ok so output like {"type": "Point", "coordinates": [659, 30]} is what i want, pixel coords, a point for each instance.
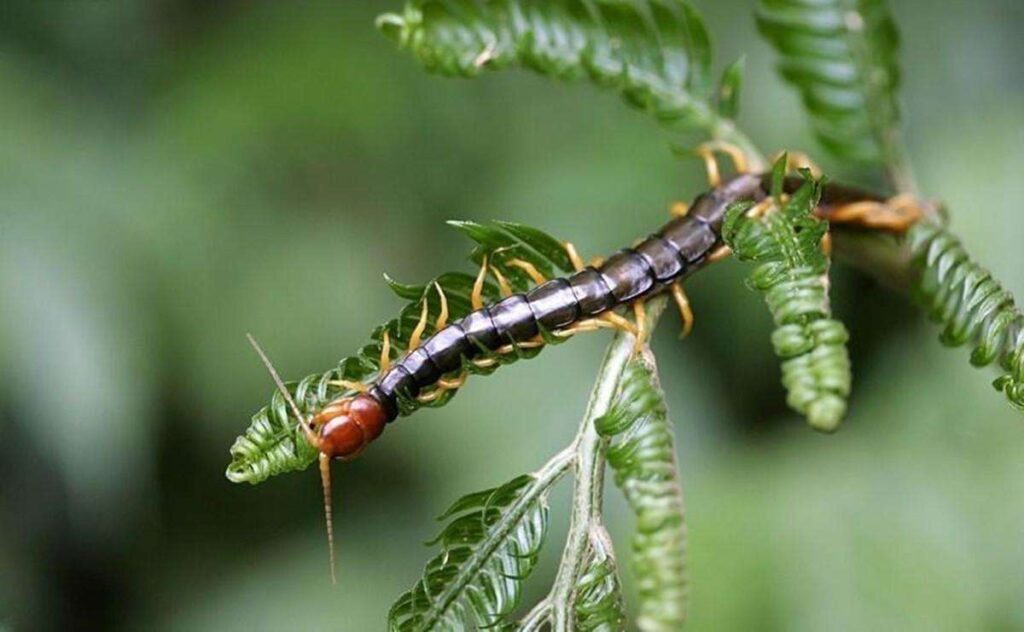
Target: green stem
{"type": "Point", "coordinates": [590, 462]}
{"type": "Point", "coordinates": [536, 618]}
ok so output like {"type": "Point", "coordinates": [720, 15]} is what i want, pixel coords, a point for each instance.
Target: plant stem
{"type": "Point", "coordinates": [536, 617]}
{"type": "Point", "coordinates": [588, 489]}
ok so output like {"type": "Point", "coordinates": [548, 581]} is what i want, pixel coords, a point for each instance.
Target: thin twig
{"type": "Point", "coordinates": [589, 470]}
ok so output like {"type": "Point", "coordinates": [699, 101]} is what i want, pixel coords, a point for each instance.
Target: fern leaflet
{"type": "Point", "coordinates": [972, 305]}
{"type": "Point", "coordinates": [642, 456]}
{"type": "Point", "coordinates": [488, 548]}
{"type": "Point", "coordinates": [598, 596]}
{"type": "Point", "coordinates": [792, 274]}
{"type": "Point", "coordinates": [842, 57]}
{"type": "Point", "coordinates": [655, 53]}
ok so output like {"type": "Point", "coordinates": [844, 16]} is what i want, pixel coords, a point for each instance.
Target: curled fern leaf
{"type": "Point", "coordinates": [973, 306]}
{"type": "Point", "coordinates": [842, 57]}
{"type": "Point", "coordinates": [792, 274]}
{"type": "Point", "coordinates": [655, 53]}
{"type": "Point", "coordinates": [273, 443]}
{"type": "Point", "coordinates": [643, 459]}
{"type": "Point", "coordinates": [488, 548]}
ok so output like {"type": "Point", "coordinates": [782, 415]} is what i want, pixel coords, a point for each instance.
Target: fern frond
{"type": "Point", "coordinates": [971, 304]}
{"type": "Point", "coordinates": [488, 549]}
{"type": "Point", "coordinates": [792, 274]}
{"type": "Point", "coordinates": [273, 443]}
{"type": "Point", "coordinates": [598, 596]}
{"type": "Point", "coordinates": [642, 455]}
{"type": "Point", "coordinates": [842, 57]}
{"type": "Point", "coordinates": [655, 53]}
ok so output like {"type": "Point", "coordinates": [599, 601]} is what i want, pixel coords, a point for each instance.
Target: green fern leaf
{"type": "Point", "coordinates": [655, 53]}
{"type": "Point", "coordinates": [792, 274]}
{"type": "Point", "coordinates": [598, 597]}
{"type": "Point", "coordinates": [842, 57]}
{"type": "Point", "coordinates": [642, 455]}
{"type": "Point", "coordinates": [273, 444]}
{"type": "Point", "coordinates": [971, 304]}
{"type": "Point", "coordinates": [488, 548]}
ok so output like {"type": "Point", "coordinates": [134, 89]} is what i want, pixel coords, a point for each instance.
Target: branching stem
{"type": "Point", "coordinates": [536, 617]}
{"type": "Point", "coordinates": [589, 470]}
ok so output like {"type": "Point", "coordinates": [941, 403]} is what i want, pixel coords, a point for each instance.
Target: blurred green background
{"type": "Point", "coordinates": [174, 174]}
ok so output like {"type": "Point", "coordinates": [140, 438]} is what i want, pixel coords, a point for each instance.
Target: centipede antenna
{"type": "Point", "coordinates": [325, 481]}
{"type": "Point", "coordinates": [277, 380]}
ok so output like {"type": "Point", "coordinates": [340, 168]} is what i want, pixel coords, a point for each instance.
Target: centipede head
{"type": "Point", "coordinates": [341, 430]}
{"type": "Point", "coordinates": [346, 426]}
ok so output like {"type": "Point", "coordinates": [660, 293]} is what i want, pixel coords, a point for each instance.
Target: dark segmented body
{"type": "Point", "coordinates": [680, 248]}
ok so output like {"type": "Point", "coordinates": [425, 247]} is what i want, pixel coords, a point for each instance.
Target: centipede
{"type": "Point", "coordinates": [592, 297]}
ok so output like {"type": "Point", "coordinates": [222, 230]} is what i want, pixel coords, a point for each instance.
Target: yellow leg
{"type": "Point", "coordinates": [710, 165]}
{"type": "Point", "coordinates": [421, 326]}
{"type": "Point", "coordinates": [476, 299]}
{"type": "Point", "coordinates": [527, 344]}
{"type": "Point", "coordinates": [385, 352]}
{"type": "Point", "coordinates": [679, 209]}
{"type": "Point", "coordinates": [444, 384]}
{"type": "Point", "coordinates": [442, 318]}
{"type": "Point", "coordinates": [640, 314]}
{"type": "Point", "coordinates": [685, 311]}
{"type": "Point", "coordinates": [529, 269]}
{"type": "Point", "coordinates": [896, 214]}
{"type": "Point", "coordinates": [426, 398]}
{"type": "Point", "coordinates": [349, 384]}
{"type": "Point", "coordinates": [761, 208]}
{"type": "Point", "coordinates": [826, 244]}
{"type": "Point", "coordinates": [574, 256]}
{"type": "Point", "coordinates": [589, 324]}
{"type": "Point", "coordinates": [719, 253]}
{"type": "Point", "coordinates": [452, 383]}
{"type": "Point", "coordinates": [577, 260]}
{"type": "Point", "coordinates": [503, 286]}
{"type": "Point", "coordinates": [706, 152]}
{"type": "Point", "coordinates": [619, 322]}
{"type": "Point", "coordinates": [484, 363]}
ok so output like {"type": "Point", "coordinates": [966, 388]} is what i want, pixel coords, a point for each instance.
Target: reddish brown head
{"type": "Point", "coordinates": [341, 430]}
{"type": "Point", "coordinates": [348, 425]}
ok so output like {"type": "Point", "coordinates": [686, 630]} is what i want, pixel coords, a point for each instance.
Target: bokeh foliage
{"type": "Point", "coordinates": [176, 174]}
